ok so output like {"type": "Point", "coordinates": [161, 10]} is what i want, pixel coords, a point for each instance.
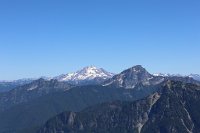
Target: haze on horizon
{"type": "Point", "coordinates": [49, 38]}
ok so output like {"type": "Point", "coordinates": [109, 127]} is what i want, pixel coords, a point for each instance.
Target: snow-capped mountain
{"type": "Point", "coordinates": [86, 75]}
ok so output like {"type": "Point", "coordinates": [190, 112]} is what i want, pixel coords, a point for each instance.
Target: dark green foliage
{"type": "Point", "coordinates": [175, 109]}
{"type": "Point", "coordinates": [23, 94]}
{"type": "Point", "coordinates": [6, 87]}
{"type": "Point", "coordinates": [36, 112]}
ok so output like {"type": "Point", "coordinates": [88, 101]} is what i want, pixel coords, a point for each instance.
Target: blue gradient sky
{"type": "Point", "coordinates": [50, 37]}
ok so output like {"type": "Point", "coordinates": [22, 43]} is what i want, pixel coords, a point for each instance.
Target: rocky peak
{"type": "Point", "coordinates": [132, 76]}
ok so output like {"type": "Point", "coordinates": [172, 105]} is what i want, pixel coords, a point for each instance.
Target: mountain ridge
{"type": "Point", "coordinates": [85, 76]}
{"type": "Point", "coordinates": [49, 97]}
{"type": "Point", "coordinates": [170, 110]}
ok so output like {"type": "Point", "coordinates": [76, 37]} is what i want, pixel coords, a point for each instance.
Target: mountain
{"type": "Point", "coordinates": [31, 91]}
{"type": "Point", "coordinates": [183, 79]}
{"type": "Point", "coordinates": [138, 75]}
{"type": "Point", "coordinates": [167, 75]}
{"type": "Point", "coordinates": [85, 76]}
{"type": "Point", "coordinates": [25, 108]}
{"type": "Point", "coordinates": [133, 76]}
{"type": "Point", "coordinates": [29, 116]}
{"type": "Point", "coordinates": [194, 76]}
{"type": "Point", "coordinates": [9, 85]}
{"type": "Point", "coordinates": [19, 81]}
{"type": "Point", "coordinates": [173, 109]}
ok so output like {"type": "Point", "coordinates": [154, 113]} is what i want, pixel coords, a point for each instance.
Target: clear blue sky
{"type": "Point", "coordinates": [51, 37]}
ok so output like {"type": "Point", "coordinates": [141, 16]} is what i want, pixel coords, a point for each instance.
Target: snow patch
{"type": "Point", "coordinates": [32, 88]}
{"type": "Point", "coordinates": [185, 126]}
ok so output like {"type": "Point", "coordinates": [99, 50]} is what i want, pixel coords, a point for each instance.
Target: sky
{"type": "Point", "coordinates": [52, 37]}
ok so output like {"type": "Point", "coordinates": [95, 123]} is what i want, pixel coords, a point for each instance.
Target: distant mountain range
{"type": "Point", "coordinates": [28, 106]}
{"type": "Point", "coordinates": [87, 75]}
{"type": "Point", "coordinates": [9, 85]}
{"type": "Point", "coordinates": [90, 75]}
{"type": "Point", "coordinates": [194, 76]}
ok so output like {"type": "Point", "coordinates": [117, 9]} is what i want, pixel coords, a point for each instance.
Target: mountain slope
{"type": "Point", "coordinates": [26, 117]}
{"type": "Point", "coordinates": [173, 109]}
{"type": "Point", "coordinates": [191, 76]}
{"type": "Point", "coordinates": [28, 92]}
{"type": "Point", "coordinates": [114, 117]}
{"type": "Point", "coordinates": [9, 85]}
{"type": "Point", "coordinates": [195, 76]}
